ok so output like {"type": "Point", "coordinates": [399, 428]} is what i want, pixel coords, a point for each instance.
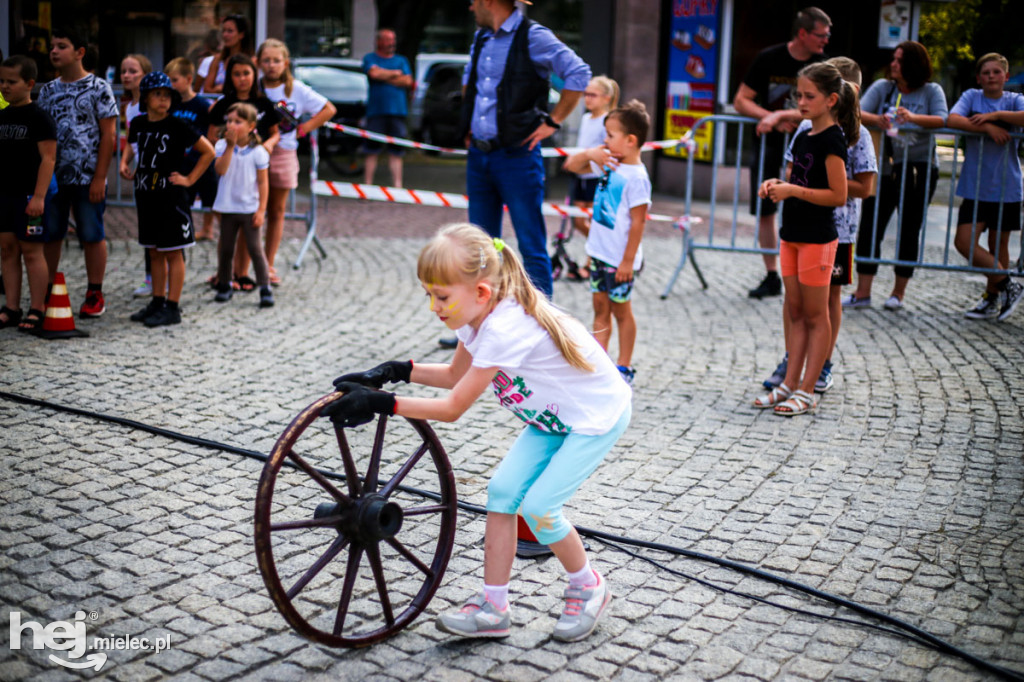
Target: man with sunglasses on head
{"type": "Point", "coordinates": [765, 94]}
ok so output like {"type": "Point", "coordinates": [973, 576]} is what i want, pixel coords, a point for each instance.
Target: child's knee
{"type": "Point", "coordinates": [544, 519]}
{"type": "Point", "coordinates": [622, 311]}
{"type": "Point", "coordinates": [503, 495]}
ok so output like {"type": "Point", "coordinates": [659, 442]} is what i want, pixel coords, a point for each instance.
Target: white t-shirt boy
{"type": "Point", "coordinates": [238, 190]}
{"type": "Point", "coordinates": [625, 188]}
{"type": "Point", "coordinates": [534, 380]}
{"type": "Point", "coordinates": [303, 100]}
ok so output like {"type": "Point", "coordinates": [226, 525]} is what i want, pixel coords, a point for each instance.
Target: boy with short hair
{"type": "Point", "coordinates": [85, 111]}
{"type": "Point", "coordinates": [195, 111]}
{"type": "Point", "coordinates": [165, 221]}
{"type": "Point", "coordinates": [995, 113]}
{"type": "Point", "coordinates": [28, 134]}
{"type": "Point", "coordinates": [617, 225]}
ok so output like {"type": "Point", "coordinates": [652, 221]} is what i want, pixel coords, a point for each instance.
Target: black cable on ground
{"type": "Point", "coordinates": [899, 627]}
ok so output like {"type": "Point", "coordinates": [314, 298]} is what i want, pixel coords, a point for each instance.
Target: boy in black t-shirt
{"type": "Point", "coordinates": [165, 221]}
{"type": "Point", "coordinates": [28, 153]}
{"type": "Point", "coordinates": [195, 111]}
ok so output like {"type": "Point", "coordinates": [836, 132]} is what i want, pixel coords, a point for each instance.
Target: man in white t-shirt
{"type": "Point", "coordinates": [617, 227]}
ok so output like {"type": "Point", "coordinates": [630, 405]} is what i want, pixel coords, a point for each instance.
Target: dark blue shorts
{"type": "Point", "coordinates": [14, 219]}
{"type": "Point", "coordinates": [385, 125]}
{"type": "Point", "coordinates": [988, 213]}
{"type": "Point", "coordinates": [65, 200]}
{"type": "Point", "coordinates": [583, 189]}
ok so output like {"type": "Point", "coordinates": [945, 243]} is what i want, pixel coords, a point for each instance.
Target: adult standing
{"type": "Point", "coordinates": [236, 38]}
{"type": "Point", "coordinates": [388, 104]}
{"type": "Point", "coordinates": [904, 98]}
{"type": "Point", "coordinates": [766, 94]}
{"type": "Point", "coordinates": [505, 117]}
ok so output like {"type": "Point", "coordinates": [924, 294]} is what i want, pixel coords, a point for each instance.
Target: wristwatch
{"type": "Point", "coordinates": [551, 123]}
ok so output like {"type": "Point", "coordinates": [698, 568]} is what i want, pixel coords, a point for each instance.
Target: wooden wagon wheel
{"type": "Point", "coordinates": [352, 562]}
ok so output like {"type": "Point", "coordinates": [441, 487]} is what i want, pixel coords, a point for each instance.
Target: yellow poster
{"type": "Point", "coordinates": [45, 16]}
{"type": "Point", "coordinates": [678, 121]}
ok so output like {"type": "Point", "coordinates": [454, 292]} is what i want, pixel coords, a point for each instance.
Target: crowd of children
{"type": "Point", "coordinates": [68, 139]}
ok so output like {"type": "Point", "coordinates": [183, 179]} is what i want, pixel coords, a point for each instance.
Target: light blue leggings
{"type": "Point", "coordinates": [543, 470]}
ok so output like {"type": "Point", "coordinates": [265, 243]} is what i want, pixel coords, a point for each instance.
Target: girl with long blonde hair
{"type": "Point", "coordinates": [550, 372]}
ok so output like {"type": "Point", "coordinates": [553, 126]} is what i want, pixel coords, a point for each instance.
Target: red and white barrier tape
{"type": "Point", "coordinates": [421, 197]}
{"type": "Point", "coordinates": [545, 151]}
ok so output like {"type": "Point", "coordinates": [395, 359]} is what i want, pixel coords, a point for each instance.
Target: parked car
{"type": "Point", "coordinates": [342, 81]}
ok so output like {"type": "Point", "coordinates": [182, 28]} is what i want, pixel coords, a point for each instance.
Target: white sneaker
{"type": "Point", "coordinates": [583, 607]}
{"type": "Point", "coordinates": [478, 617]}
{"type": "Point", "coordinates": [894, 303]}
{"type": "Point", "coordinates": [146, 289]}
{"type": "Point", "coordinates": [852, 301]}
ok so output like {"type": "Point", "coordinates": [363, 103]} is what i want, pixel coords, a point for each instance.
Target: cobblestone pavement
{"type": "Point", "coordinates": [903, 492]}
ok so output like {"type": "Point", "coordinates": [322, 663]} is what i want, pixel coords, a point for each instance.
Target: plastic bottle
{"type": "Point", "coordinates": [34, 224]}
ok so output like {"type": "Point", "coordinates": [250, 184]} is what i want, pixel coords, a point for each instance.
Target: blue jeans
{"type": "Point", "coordinates": [512, 177]}
{"type": "Point", "coordinates": [64, 200]}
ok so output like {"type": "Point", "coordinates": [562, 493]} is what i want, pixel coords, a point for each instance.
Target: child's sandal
{"type": "Point", "coordinates": [773, 397]}
{"type": "Point", "coordinates": [245, 283]}
{"type": "Point", "coordinates": [800, 402]}
{"type": "Point", "coordinates": [32, 323]}
{"type": "Point", "coordinates": [11, 317]}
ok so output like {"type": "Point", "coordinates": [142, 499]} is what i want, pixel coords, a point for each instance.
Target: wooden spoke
{"type": "Point", "coordinates": [410, 557]}
{"type": "Point", "coordinates": [355, 555]}
{"type": "Point", "coordinates": [397, 479]}
{"type": "Point", "coordinates": [351, 474]}
{"type": "Point", "coordinates": [325, 558]}
{"type": "Point", "coordinates": [319, 478]}
{"type": "Point", "coordinates": [373, 468]}
{"type": "Point", "coordinates": [373, 555]}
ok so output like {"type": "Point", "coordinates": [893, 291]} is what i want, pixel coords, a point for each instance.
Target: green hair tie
{"type": "Point", "coordinates": [499, 244]}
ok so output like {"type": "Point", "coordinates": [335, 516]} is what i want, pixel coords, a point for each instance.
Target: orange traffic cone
{"type": "Point", "coordinates": [59, 322]}
{"type": "Point", "coordinates": [527, 545]}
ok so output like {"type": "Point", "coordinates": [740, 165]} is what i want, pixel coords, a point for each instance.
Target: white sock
{"type": "Point", "coordinates": [585, 577]}
{"type": "Point", "coordinates": [497, 595]}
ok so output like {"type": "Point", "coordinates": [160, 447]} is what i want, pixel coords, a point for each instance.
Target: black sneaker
{"type": "Point", "coordinates": [164, 316]}
{"type": "Point", "coordinates": [266, 298]}
{"type": "Point", "coordinates": [223, 294]}
{"type": "Point", "coordinates": [149, 310]}
{"type": "Point", "coordinates": [985, 309]}
{"type": "Point", "coordinates": [771, 285]}
{"type": "Point", "coordinates": [1011, 297]}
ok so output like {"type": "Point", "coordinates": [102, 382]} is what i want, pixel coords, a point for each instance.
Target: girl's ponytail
{"type": "Point", "coordinates": [463, 252]}
{"type": "Point", "coordinates": [847, 113]}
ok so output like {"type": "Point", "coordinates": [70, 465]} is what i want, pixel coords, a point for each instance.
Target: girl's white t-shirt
{"type": "Point", "coordinates": [535, 381]}
{"type": "Point", "coordinates": [592, 134]}
{"type": "Point", "coordinates": [131, 110]}
{"type": "Point", "coordinates": [238, 189]}
{"type": "Point", "coordinates": [204, 70]}
{"type": "Point", "coordinates": [303, 100]}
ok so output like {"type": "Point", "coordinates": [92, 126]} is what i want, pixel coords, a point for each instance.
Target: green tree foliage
{"type": "Point", "coordinates": [957, 33]}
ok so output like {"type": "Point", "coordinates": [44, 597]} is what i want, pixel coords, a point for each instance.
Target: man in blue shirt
{"type": "Point", "coordinates": [505, 117]}
{"type": "Point", "coordinates": [390, 79]}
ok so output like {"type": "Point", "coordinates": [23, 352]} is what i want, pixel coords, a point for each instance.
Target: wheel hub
{"type": "Point", "coordinates": [370, 518]}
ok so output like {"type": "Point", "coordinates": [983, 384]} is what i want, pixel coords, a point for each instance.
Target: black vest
{"type": "Point", "coordinates": [522, 94]}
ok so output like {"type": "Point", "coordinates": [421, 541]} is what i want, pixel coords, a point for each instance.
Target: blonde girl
{"type": "Point", "coordinates": [816, 186]}
{"type": "Point", "coordinates": [242, 164]}
{"type": "Point", "coordinates": [297, 99]}
{"type": "Point", "coordinates": [600, 97]}
{"type": "Point", "coordinates": [133, 68]}
{"type": "Point", "coordinates": [550, 372]}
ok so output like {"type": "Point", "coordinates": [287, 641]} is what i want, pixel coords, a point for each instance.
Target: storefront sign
{"type": "Point", "coordinates": [692, 72]}
{"type": "Point", "coordinates": [893, 23]}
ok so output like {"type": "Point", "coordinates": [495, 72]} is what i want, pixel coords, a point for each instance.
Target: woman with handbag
{"type": "Point", "coordinates": [900, 105]}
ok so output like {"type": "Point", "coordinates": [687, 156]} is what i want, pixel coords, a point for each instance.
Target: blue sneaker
{"type": "Point", "coordinates": [825, 379]}
{"type": "Point", "coordinates": [778, 375]}
{"type": "Point", "coordinates": [628, 373]}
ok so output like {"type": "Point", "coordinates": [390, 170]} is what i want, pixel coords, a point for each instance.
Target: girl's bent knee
{"type": "Point", "coordinates": [503, 497]}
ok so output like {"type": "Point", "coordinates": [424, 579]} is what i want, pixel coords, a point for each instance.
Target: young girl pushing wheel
{"type": "Point", "coordinates": [550, 372]}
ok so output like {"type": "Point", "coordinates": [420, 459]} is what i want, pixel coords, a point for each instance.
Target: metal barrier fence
{"type": "Point", "coordinates": [717, 242]}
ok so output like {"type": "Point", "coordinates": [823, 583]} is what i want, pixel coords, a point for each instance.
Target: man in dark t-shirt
{"type": "Point", "coordinates": [765, 94]}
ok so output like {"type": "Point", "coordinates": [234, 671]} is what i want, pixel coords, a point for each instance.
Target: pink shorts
{"type": "Point", "coordinates": [284, 168]}
{"type": "Point", "coordinates": [811, 263]}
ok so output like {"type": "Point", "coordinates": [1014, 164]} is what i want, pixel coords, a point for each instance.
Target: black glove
{"type": "Point", "coordinates": [379, 375]}
{"type": "Point", "coordinates": [359, 405]}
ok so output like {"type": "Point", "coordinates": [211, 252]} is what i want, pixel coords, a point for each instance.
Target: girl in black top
{"type": "Point", "coordinates": [816, 185]}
